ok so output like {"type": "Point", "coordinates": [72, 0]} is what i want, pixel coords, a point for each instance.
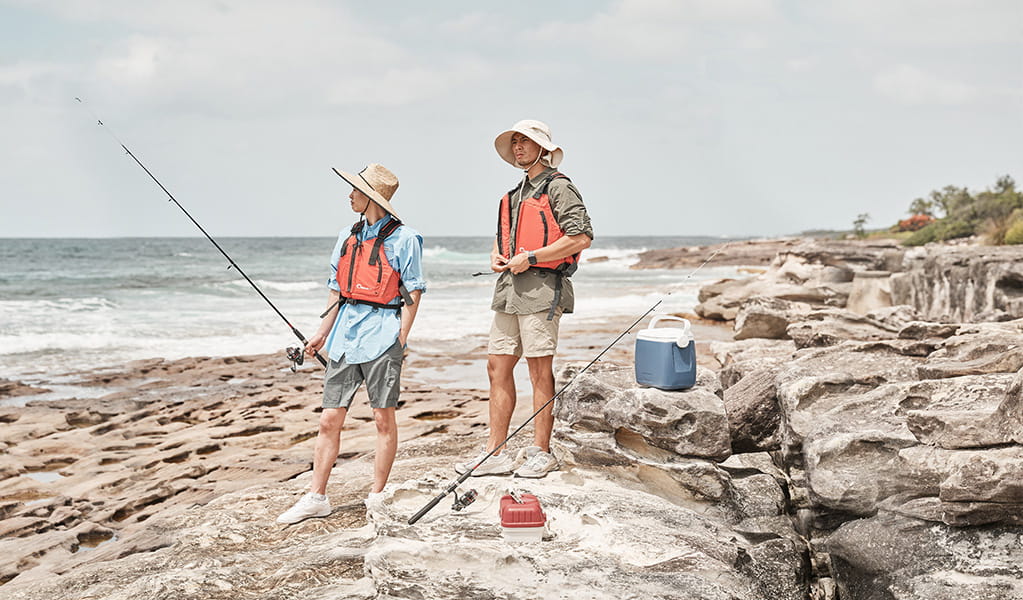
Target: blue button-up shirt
{"type": "Point", "coordinates": [362, 333]}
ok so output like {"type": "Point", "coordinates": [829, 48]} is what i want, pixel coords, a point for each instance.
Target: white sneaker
{"type": "Point", "coordinates": [499, 464]}
{"type": "Point", "coordinates": [538, 465]}
{"type": "Point", "coordinates": [375, 500]}
{"type": "Point", "coordinates": [306, 507]}
{"type": "Point", "coordinates": [527, 453]}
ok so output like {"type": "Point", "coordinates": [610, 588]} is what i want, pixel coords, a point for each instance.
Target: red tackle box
{"type": "Point", "coordinates": [522, 521]}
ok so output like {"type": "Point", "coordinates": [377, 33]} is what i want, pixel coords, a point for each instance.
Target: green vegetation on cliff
{"type": "Point", "coordinates": [995, 213]}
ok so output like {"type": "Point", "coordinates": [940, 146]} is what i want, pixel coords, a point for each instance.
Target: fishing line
{"type": "Point", "coordinates": [293, 355]}
{"type": "Point", "coordinates": [459, 503]}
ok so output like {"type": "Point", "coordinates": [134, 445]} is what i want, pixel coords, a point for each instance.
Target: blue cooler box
{"type": "Point", "coordinates": [666, 356]}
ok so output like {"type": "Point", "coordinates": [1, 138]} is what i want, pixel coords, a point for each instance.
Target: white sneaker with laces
{"type": "Point", "coordinates": [307, 506]}
{"type": "Point", "coordinates": [499, 464]}
{"type": "Point", "coordinates": [538, 465]}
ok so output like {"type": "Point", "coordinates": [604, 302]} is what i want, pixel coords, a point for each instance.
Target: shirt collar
{"type": "Point", "coordinates": [369, 231]}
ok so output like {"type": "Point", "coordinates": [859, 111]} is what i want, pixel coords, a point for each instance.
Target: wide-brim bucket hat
{"type": "Point", "coordinates": [539, 132]}
{"type": "Point", "coordinates": [377, 182]}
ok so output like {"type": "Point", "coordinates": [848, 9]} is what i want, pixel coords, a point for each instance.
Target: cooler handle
{"type": "Point", "coordinates": [687, 328]}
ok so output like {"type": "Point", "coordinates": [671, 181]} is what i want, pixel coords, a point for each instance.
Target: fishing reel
{"type": "Point", "coordinates": [296, 356]}
{"type": "Point", "coordinates": [464, 500]}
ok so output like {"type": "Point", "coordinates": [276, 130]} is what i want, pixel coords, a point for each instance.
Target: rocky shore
{"type": "Point", "coordinates": [846, 439]}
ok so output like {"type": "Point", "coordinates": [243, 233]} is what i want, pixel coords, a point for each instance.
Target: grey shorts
{"type": "Point", "coordinates": [382, 376]}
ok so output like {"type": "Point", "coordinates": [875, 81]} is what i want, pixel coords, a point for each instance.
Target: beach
{"type": "Point", "coordinates": [864, 410]}
{"type": "Point", "coordinates": [97, 447]}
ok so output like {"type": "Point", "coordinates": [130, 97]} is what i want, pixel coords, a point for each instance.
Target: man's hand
{"type": "Point", "coordinates": [519, 263]}
{"type": "Point", "coordinates": [498, 262]}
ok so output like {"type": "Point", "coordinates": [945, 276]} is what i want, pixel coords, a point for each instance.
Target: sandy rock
{"type": "Point", "coordinates": [813, 272]}
{"type": "Point", "coordinates": [978, 349]}
{"type": "Point", "coordinates": [603, 541]}
{"type": "Point", "coordinates": [964, 283]}
{"type": "Point", "coordinates": [982, 421]}
{"type": "Point", "coordinates": [687, 422]}
{"type": "Point", "coordinates": [741, 253]}
{"type": "Point", "coordinates": [767, 317]}
{"type": "Point", "coordinates": [871, 290]}
{"type": "Point", "coordinates": [738, 359]}
{"type": "Point", "coordinates": [753, 415]}
{"type": "Point", "coordinates": [921, 330]}
{"type": "Point", "coordinates": [890, 556]}
{"type": "Point", "coordinates": [829, 326]}
{"type": "Point", "coordinates": [10, 389]}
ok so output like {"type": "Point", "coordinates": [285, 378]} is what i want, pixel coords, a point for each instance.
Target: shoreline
{"type": "Point", "coordinates": [84, 477]}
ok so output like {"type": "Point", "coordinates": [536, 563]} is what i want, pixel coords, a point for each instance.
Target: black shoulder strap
{"type": "Point", "coordinates": [385, 231]}
{"type": "Point", "coordinates": [389, 228]}
{"type": "Point", "coordinates": [542, 189]}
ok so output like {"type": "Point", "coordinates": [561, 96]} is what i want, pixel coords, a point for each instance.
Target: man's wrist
{"type": "Point", "coordinates": [531, 257]}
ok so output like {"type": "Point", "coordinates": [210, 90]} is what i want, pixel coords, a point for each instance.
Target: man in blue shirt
{"type": "Point", "coordinates": [375, 287]}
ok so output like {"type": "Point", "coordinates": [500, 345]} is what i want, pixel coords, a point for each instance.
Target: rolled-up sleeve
{"type": "Point", "coordinates": [410, 258]}
{"type": "Point", "coordinates": [568, 207]}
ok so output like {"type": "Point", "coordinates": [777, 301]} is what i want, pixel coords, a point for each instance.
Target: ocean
{"type": "Point", "coordinates": [73, 305]}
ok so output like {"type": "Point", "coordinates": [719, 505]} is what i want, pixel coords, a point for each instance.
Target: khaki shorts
{"type": "Point", "coordinates": [530, 336]}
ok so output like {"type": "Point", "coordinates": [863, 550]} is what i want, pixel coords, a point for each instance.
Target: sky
{"type": "Point", "coordinates": [677, 117]}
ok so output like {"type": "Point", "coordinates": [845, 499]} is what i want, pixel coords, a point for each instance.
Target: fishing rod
{"type": "Point", "coordinates": [294, 354]}
{"type": "Point", "coordinates": [469, 496]}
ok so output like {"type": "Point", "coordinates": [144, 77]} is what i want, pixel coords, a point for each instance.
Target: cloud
{"type": "Point", "coordinates": [932, 22]}
{"type": "Point", "coordinates": [659, 29]}
{"type": "Point", "coordinates": [909, 85]}
{"type": "Point", "coordinates": [258, 57]}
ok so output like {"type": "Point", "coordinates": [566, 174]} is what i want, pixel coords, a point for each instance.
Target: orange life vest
{"type": "Point", "coordinates": [364, 273]}
{"type": "Point", "coordinates": [535, 227]}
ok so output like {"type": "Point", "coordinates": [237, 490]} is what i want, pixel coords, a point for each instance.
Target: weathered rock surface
{"type": "Point", "coordinates": [768, 317]}
{"type": "Point", "coordinates": [607, 400]}
{"type": "Point", "coordinates": [982, 421]}
{"type": "Point", "coordinates": [738, 253]}
{"type": "Point", "coordinates": [942, 283]}
{"type": "Point", "coordinates": [962, 283]}
{"type": "Point", "coordinates": [916, 432]}
{"type": "Point", "coordinates": [890, 556]}
{"type": "Point", "coordinates": [10, 389]}
{"type": "Point", "coordinates": [813, 272]}
{"type": "Point", "coordinates": [85, 482]}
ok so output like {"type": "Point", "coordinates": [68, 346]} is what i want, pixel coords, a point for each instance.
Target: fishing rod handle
{"type": "Point", "coordinates": [422, 511]}
{"type": "Point", "coordinates": [454, 485]}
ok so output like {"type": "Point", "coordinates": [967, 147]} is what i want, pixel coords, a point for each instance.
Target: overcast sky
{"type": "Point", "coordinates": [678, 117]}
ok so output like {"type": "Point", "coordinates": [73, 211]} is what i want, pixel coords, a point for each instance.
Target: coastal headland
{"type": "Point", "coordinates": [855, 432]}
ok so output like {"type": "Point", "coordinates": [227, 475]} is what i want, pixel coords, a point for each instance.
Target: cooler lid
{"type": "Point", "coordinates": [682, 336]}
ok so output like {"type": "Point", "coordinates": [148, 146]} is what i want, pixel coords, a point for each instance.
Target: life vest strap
{"type": "Point", "coordinates": [395, 306]}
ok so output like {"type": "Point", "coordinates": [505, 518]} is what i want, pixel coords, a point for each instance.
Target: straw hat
{"type": "Point", "coordinates": [537, 131]}
{"type": "Point", "coordinates": [376, 182]}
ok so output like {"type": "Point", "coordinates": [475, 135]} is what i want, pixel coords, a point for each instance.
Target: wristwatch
{"type": "Point", "coordinates": [531, 257]}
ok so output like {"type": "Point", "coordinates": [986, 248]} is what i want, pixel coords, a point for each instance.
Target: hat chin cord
{"type": "Point", "coordinates": [538, 157]}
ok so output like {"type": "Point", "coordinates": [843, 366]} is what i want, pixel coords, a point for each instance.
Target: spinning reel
{"type": "Point", "coordinates": [296, 356]}
{"type": "Point", "coordinates": [464, 500]}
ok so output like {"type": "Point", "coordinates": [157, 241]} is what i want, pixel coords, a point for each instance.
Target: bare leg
{"type": "Point", "coordinates": [500, 369]}
{"type": "Point", "coordinates": [387, 446]}
{"type": "Point", "coordinates": [328, 444]}
{"type": "Point", "coordinates": [541, 374]}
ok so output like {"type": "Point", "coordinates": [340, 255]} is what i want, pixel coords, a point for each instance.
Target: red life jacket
{"type": "Point", "coordinates": [364, 273]}
{"type": "Point", "coordinates": [535, 227]}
